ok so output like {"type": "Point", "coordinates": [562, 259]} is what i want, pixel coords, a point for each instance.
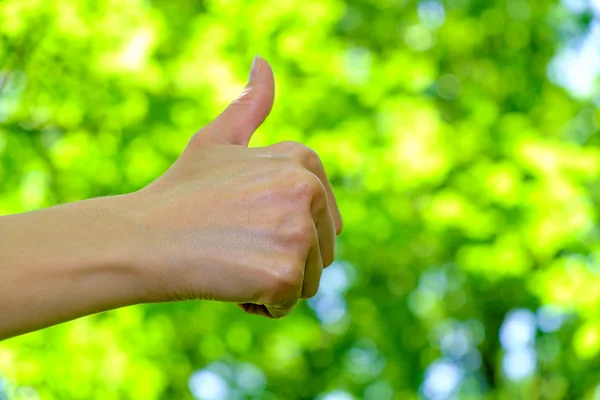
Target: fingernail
{"type": "Point", "coordinates": [255, 68]}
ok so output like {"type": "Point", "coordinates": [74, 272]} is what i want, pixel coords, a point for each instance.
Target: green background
{"type": "Point", "coordinates": [469, 267]}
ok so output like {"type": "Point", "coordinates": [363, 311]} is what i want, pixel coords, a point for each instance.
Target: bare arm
{"type": "Point", "coordinates": [254, 226]}
{"type": "Point", "coordinates": [65, 262]}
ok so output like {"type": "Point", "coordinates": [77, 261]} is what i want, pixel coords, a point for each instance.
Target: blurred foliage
{"type": "Point", "coordinates": [470, 263]}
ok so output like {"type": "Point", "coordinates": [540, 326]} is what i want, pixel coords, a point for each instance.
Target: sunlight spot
{"type": "Point", "coordinates": [549, 319]}
{"type": "Point", "coordinates": [518, 329]}
{"type": "Point", "coordinates": [251, 378]}
{"type": "Point", "coordinates": [208, 385]}
{"type": "Point", "coordinates": [519, 364]}
{"type": "Point", "coordinates": [418, 38]}
{"type": "Point", "coordinates": [577, 65]}
{"type": "Point", "coordinates": [337, 395]}
{"type": "Point", "coordinates": [575, 6]}
{"type": "Point", "coordinates": [442, 378]}
{"type": "Point", "coordinates": [431, 13]}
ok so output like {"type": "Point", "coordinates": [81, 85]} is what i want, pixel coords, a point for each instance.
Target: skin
{"type": "Point", "coordinates": [225, 222]}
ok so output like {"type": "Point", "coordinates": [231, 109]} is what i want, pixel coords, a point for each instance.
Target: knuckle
{"type": "Point", "coordinates": [302, 153]}
{"type": "Point", "coordinates": [288, 146]}
{"type": "Point", "coordinates": [301, 187]}
{"type": "Point", "coordinates": [305, 188]}
{"type": "Point", "coordinates": [306, 185]}
{"type": "Point", "coordinates": [284, 285]}
{"type": "Point", "coordinates": [310, 159]}
{"type": "Point", "coordinates": [301, 233]}
{"type": "Point", "coordinates": [306, 156]}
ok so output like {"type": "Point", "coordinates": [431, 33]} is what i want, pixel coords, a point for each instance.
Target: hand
{"type": "Point", "coordinates": [226, 222]}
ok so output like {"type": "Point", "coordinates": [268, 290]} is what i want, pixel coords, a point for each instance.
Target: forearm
{"type": "Point", "coordinates": [224, 222]}
{"type": "Point", "coordinates": [65, 262]}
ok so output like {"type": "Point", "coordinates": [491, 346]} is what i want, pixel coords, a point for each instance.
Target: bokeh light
{"type": "Point", "coordinates": [461, 138]}
{"type": "Point", "coordinates": [442, 379]}
{"type": "Point", "coordinates": [431, 13]}
{"type": "Point", "coordinates": [329, 303]}
{"type": "Point", "coordinates": [208, 385]}
{"type": "Point", "coordinates": [519, 363]}
{"type": "Point", "coordinates": [518, 329]}
{"type": "Point", "coordinates": [337, 395]}
{"type": "Point", "coordinates": [517, 335]}
{"type": "Point", "coordinates": [549, 319]}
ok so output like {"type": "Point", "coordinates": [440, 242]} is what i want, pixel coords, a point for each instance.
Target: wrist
{"type": "Point", "coordinates": [140, 247]}
{"type": "Point", "coordinates": [121, 250]}
{"type": "Point", "coordinates": [170, 252]}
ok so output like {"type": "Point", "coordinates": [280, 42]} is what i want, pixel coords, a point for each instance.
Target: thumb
{"type": "Point", "coordinates": [245, 114]}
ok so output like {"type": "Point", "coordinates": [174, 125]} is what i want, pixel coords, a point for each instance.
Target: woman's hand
{"type": "Point", "coordinates": [226, 222]}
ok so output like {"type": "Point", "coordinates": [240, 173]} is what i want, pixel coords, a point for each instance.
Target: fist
{"type": "Point", "coordinates": [254, 226]}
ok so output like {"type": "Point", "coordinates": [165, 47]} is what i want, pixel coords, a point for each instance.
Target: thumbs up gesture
{"type": "Point", "coordinates": [254, 226]}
